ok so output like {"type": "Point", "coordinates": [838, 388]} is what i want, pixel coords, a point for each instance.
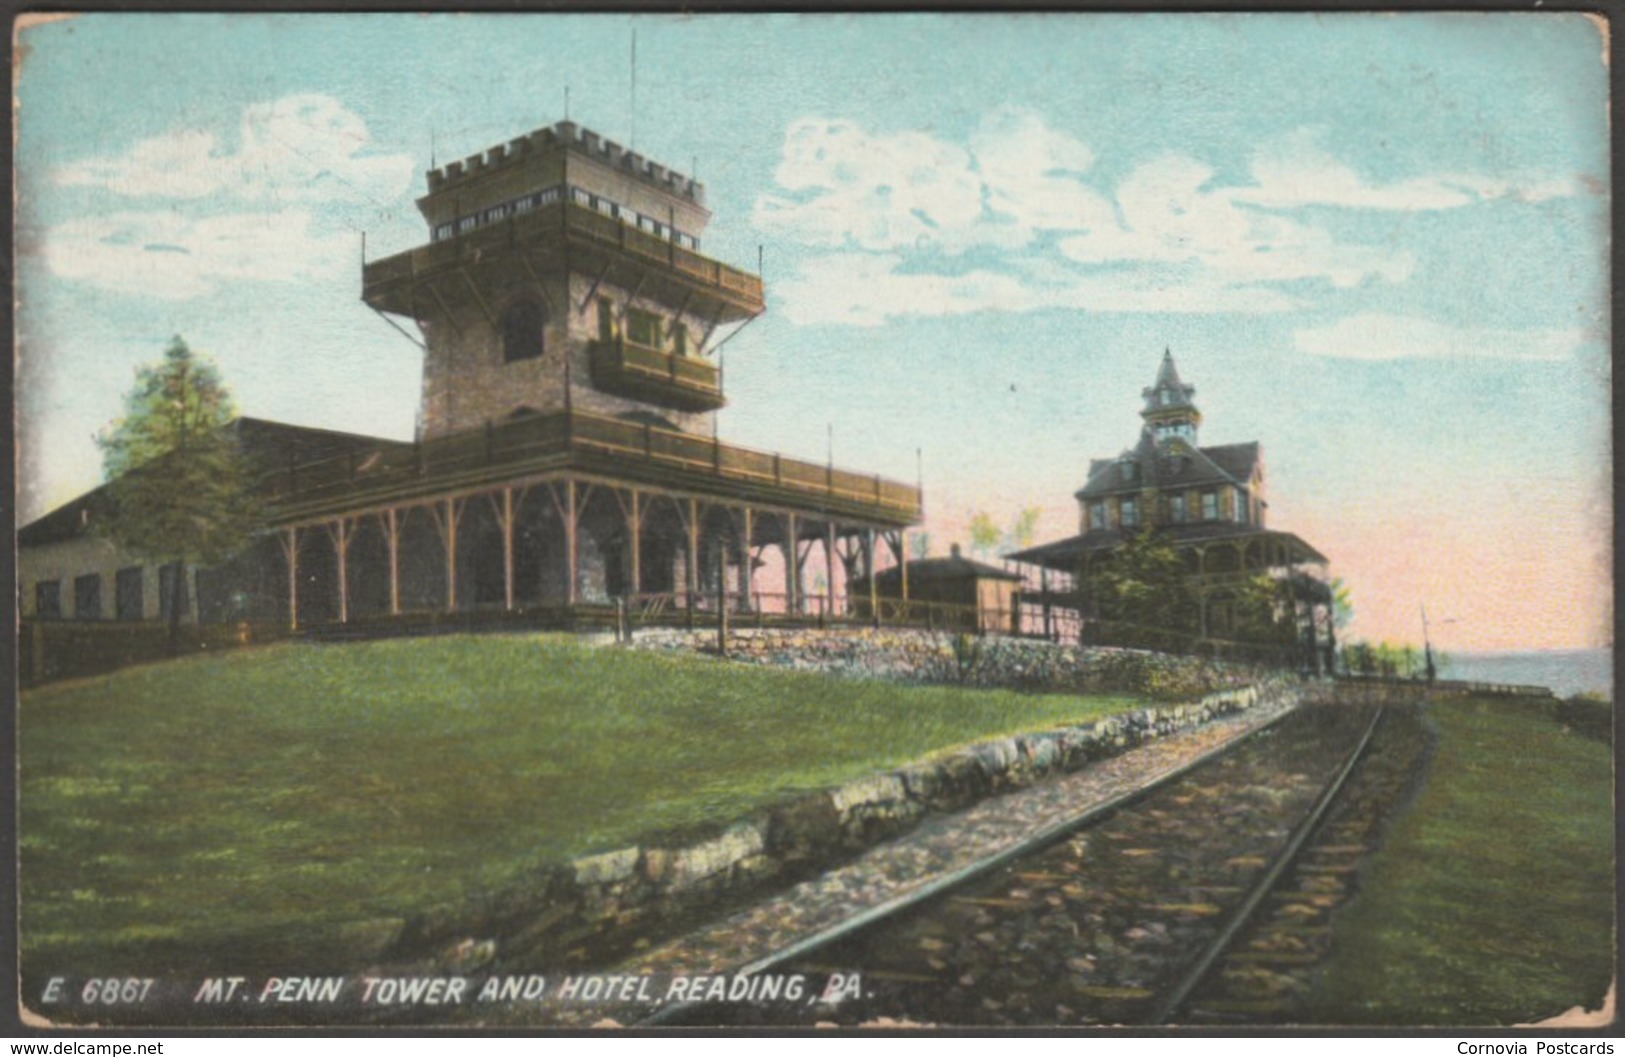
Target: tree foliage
{"type": "Point", "coordinates": [1025, 529]}
{"type": "Point", "coordinates": [1342, 603]}
{"type": "Point", "coordinates": [1264, 612]}
{"type": "Point", "coordinates": [1393, 660]}
{"type": "Point", "coordinates": [984, 534]}
{"type": "Point", "coordinates": [180, 490]}
{"type": "Point", "coordinates": [1145, 582]}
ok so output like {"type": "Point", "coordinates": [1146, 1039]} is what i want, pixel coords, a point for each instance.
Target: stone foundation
{"type": "Point", "coordinates": [569, 913]}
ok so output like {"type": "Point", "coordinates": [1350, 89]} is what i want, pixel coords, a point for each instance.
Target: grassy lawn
{"type": "Point", "coordinates": [1492, 900]}
{"type": "Point", "coordinates": [284, 791]}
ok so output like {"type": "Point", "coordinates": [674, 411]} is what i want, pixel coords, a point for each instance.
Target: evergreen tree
{"type": "Point", "coordinates": [180, 490]}
{"type": "Point", "coordinates": [1145, 582]}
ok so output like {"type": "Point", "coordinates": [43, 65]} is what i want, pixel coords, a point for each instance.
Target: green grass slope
{"type": "Point", "coordinates": [1492, 900]}
{"type": "Point", "coordinates": [288, 790]}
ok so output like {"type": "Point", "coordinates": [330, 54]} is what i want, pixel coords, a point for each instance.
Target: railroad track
{"type": "Point", "coordinates": [1122, 916]}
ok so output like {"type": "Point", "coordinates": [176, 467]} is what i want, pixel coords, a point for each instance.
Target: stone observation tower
{"type": "Point", "coordinates": [563, 270]}
{"type": "Point", "coordinates": [566, 469]}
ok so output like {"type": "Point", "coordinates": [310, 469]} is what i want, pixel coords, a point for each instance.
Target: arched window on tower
{"type": "Point", "coordinates": [522, 327]}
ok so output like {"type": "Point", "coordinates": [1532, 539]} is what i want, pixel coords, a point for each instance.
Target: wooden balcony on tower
{"type": "Point", "coordinates": [562, 234]}
{"type": "Point", "coordinates": [643, 373]}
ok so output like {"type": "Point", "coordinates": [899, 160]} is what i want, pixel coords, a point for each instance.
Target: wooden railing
{"type": "Point", "coordinates": [649, 373]}
{"type": "Point", "coordinates": [413, 468]}
{"type": "Point", "coordinates": [571, 219]}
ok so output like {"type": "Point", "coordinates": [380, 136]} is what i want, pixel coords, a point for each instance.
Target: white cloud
{"type": "Point", "coordinates": [1375, 336]}
{"type": "Point", "coordinates": [171, 255]}
{"type": "Point", "coordinates": [279, 204]}
{"type": "Point", "coordinates": [867, 289]}
{"type": "Point", "coordinates": [301, 148]}
{"type": "Point", "coordinates": [1171, 214]}
{"type": "Point", "coordinates": [898, 215]}
{"type": "Point", "coordinates": [1296, 171]}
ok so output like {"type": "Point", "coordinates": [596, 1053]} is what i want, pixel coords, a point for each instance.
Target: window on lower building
{"type": "Point", "coordinates": [1131, 513]}
{"type": "Point", "coordinates": [129, 594]}
{"type": "Point", "coordinates": [679, 339]}
{"type": "Point", "coordinates": [606, 319]}
{"type": "Point", "coordinates": [48, 600]}
{"type": "Point", "coordinates": [1176, 509]}
{"type": "Point", "coordinates": [1097, 515]}
{"type": "Point", "coordinates": [172, 592]}
{"type": "Point", "coordinates": [87, 597]}
{"type": "Point", "coordinates": [643, 328]}
{"type": "Point", "coordinates": [1241, 506]}
{"type": "Point", "coordinates": [1210, 506]}
{"type": "Point", "coordinates": [522, 331]}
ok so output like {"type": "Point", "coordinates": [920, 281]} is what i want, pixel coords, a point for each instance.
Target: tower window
{"type": "Point", "coordinates": [643, 328]}
{"type": "Point", "coordinates": [522, 327]}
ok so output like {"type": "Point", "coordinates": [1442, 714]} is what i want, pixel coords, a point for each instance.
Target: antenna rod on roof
{"type": "Point", "coordinates": [566, 102]}
{"type": "Point", "coordinates": [632, 139]}
{"type": "Point", "coordinates": [431, 148]}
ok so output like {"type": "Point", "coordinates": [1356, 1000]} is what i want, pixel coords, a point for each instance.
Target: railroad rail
{"type": "Point", "coordinates": [920, 940]}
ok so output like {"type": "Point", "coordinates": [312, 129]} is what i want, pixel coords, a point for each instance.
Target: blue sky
{"type": "Point", "coordinates": [1375, 243]}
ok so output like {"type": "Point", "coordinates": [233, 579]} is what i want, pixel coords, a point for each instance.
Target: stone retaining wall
{"type": "Point", "coordinates": [992, 661]}
{"type": "Point", "coordinates": [570, 913]}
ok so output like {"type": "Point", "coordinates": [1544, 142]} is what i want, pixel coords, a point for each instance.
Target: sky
{"type": "Point", "coordinates": [1376, 244]}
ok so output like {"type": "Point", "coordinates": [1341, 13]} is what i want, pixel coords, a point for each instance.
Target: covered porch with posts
{"type": "Point", "coordinates": [1221, 564]}
{"type": "Point", "coordinates": [566, 550]}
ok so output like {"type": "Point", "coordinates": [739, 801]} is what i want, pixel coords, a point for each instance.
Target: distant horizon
{"type": "Point", "coordinates": [1375, 244]}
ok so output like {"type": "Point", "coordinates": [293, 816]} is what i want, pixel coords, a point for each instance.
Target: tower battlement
{"type": "Point", "coordinates": [567, 136]}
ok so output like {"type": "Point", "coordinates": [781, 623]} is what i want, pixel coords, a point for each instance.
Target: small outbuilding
{"type": "Point", "coordinates": [953, 592]}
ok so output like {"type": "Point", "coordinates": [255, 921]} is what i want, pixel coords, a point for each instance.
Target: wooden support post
{"type": "Point", "coordinates": [570, 542]}
{"type": "Point", "coordinates": [635, 531]}
{"type": "Point", "coordinates": [747, 570]}
{"type": "Point", "coordinates": [507, 548]}
{"type": "Point", "coordinates": [451, 555]}
{"type": "Point", "coordinates": [394, 540]}
{"type": "Point", "coordinates": [792, 565]}
{"type": "Point", "coordinates": [722, 601]}
{"type": "Point", "coordinates": [1043, 592]}
{"type": "Point", "coordinates": [692, 568]}
{"type": "Point", "coordinates": [341, 543]}
{"type": "Point", "coordinates": [874, 580]}
{"type": "Point", "coordinates": [829, 568]}
{"type": "Point", "coordinates": [902, 564]}
{"type": "Point", "coordinates": [290, 547]}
